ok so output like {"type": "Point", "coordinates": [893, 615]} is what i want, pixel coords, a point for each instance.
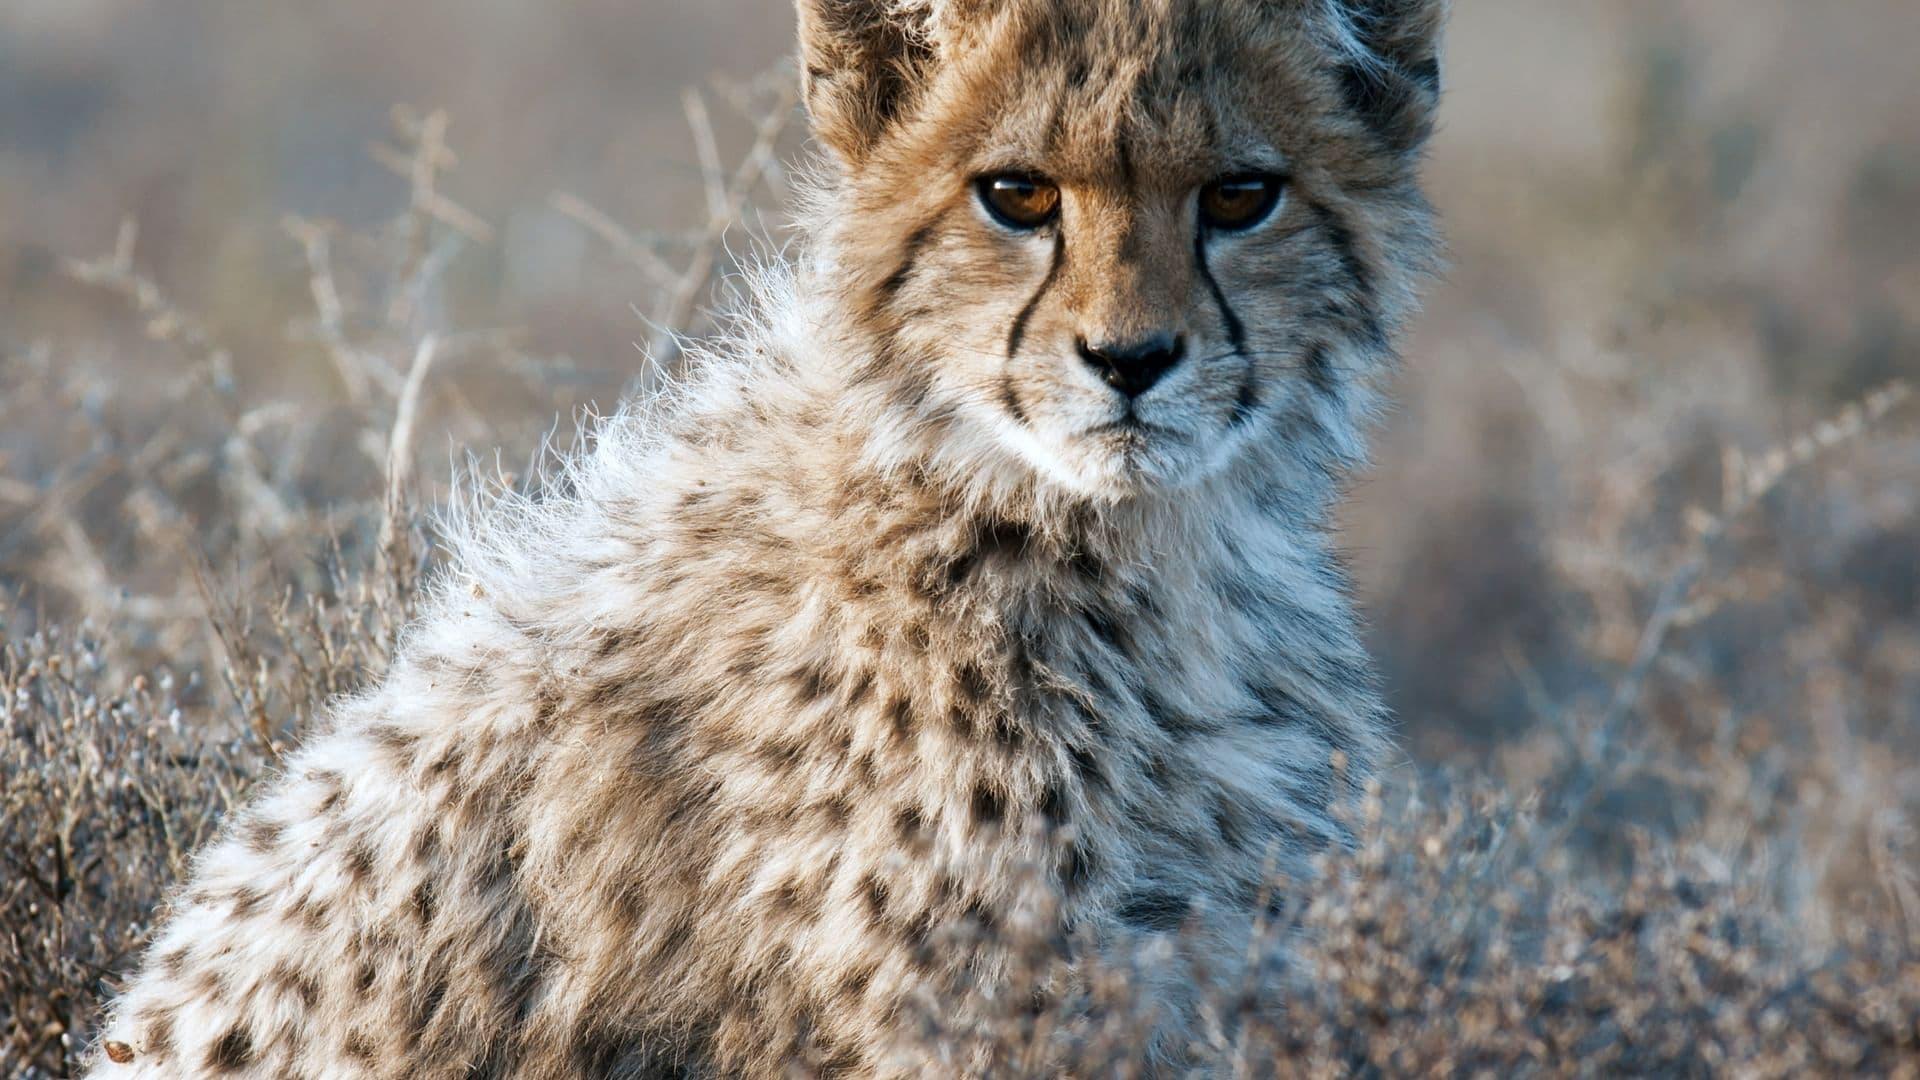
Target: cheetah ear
{"type": "Point", "coordinates": [1390, 73]}
{"type": "Point", "coordinates": [862, 62]}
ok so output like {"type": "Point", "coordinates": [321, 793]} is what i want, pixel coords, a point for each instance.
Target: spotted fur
{"type": "Point", "coordinates": [892, 618]}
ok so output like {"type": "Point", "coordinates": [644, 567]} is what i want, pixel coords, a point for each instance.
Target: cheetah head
{"type": "Point", "coordinates": [1119, 242]}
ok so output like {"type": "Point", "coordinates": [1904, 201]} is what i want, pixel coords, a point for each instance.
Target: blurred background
{"type": "Point", "coordinates": [1647, 514]}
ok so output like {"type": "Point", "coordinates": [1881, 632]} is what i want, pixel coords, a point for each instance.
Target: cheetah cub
{"type": "Point", "coordinates": [989, 560]}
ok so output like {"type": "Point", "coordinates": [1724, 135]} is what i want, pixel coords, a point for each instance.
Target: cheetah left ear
{"type": "Point", "coordinates": [1391, 75]}
{"type": "Point", "coordinates": [865, 61]}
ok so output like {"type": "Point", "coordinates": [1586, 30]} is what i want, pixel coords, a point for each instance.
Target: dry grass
{"type": "Point", "coordinates": [1640, 553]}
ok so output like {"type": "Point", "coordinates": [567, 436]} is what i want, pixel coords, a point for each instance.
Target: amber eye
{"type": "Point", "coordinates": [1019, 202]}
{"type": "Point", "coordinates": [1239, 202]}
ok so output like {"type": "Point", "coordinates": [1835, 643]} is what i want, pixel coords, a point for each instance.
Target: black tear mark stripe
{"type": "Point", "coordinates": [1019, 332]}
{"type": "Point", "coordinates": [1236, 331]}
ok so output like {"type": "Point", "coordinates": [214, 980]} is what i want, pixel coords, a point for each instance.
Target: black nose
{"type": "Point", "coordinates": [1133, 367]}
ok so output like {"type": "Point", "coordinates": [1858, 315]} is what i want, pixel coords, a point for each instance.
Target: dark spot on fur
{"type": "Point", "coordinates": [312, 913]}
{"type": "Point", "coordinates": [1010, 400]}
{"type": "Point", "coordinates": [674, 942]}
{"type": "Point", "coordinates": [359, 1047]}
{"type": "Point", "coordinates": [363, 978]}
{"type": "Point", "coordinates": [174, 961]}
{"type": "Point", "coordinates": [1426, 73]}
{"type": "Point", "coordinates": [427, 1007]}
{"type": "Point", "coordinates": [597, 1052]}
{"type": "Point", "coordinates": [607, 694]}
{"type": "Point", "coordinates": [1246, 404]}
{"type": "Point", "coordinates": [1345, 249]}
{"type": "Point", "coordinates": [859, 689]}
{"type": "Point", "coordinates": [973, 684]}
{"type": "Point", "coordinates": [298, 983]}
{"type": "Point", "coordinates": [1156, 770]}
{"type": "Point", "coordinates": [496, 871]}
{"type": "Point", "coordinates": [1227, 819]}
{"type": "Point", "coordinates": [622, 640]}
{"type": "Point", "coordinates": [1087, 565]}
{"type": "Point", "coordinates": [1000, 538]}
{"type": "Point", "coordinates": [1103, 627]}
{"type": "Point", "coordinates": [546, 705]}
{"type": "Point", "coordinates": [263, 835]}
{"type": "Point", "coordinates": [900, 718]}
{"type": "Point", "coordinates": [246, 901]}
{"type": "Point", "coordinates": [335, 787]}
{"type": "Point", "coordinates": [945, 888]}
{"type": "Point", "coordinates": [1077, 867]}
{"type": "Point", "coordinates": [915, 243]}
{"type": "Point", "coordinates": [1279, 707]}
{"type": "Point", "coordinates": [1154, 910]}
{"type": "Point", "coordinates": [360, 863]}
{"type": "Point", "coordinates": [790, 897]}
{"type": "Point", "coordinates": [854, 985]}
{"type": "Point", "coordinates": [1087, 767]}
{"type": "Point", "coordinates": [421, 903]}
{"type": "Point", "coordinates": [908, 824]}
{"type": "Point", "coordinates": [210, 985]}
{"type": "Point", "coordinates": [397, 742]}
{"type": "Point", "coordinates": [1053, 804]}
{"type": "Point", "coordinates": [873, 892]}
{"type": "Point", "coordinates": [1319, 368]}
{"type": "Point", "coordinates": [781, 755]}
{"type": "Point", "coordinates": [814, 683]}
{"type": "Point", "coordinates": [232, 1051]}
{"type": "Point", "coordinates": [156, 1034]}
{"type": "Point", "coordinates": [989, 806]}
{"type": "Point", "coordinates": [1165, 716]}
{"type": "Point", "coordinates": [1005, 727]}
{"type": "Point", "coordinates": [832, 1058]}
{"type": "Point", "coordinates": [917, 930]}
{"type": "Point", "coordinates": [982, 915]}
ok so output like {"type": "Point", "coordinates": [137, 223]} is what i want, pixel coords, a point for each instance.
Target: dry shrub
{"type": "Point", "coordinates": [1464, 938]}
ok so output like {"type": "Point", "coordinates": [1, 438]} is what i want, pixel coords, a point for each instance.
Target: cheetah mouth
{"type": "Point", "coordinates": [1137, 447]}
{"type": "Point", "coordinates": [1131, 429]}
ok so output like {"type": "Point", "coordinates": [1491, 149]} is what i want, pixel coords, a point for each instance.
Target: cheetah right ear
{"type": "Point", "coordinates": [862, 62]}
{"type": "Point", "coordinates": [1393, 78]}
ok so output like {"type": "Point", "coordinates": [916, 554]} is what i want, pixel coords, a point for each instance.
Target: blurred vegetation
{"type": "Point", "coordinates": [1640, 552]}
